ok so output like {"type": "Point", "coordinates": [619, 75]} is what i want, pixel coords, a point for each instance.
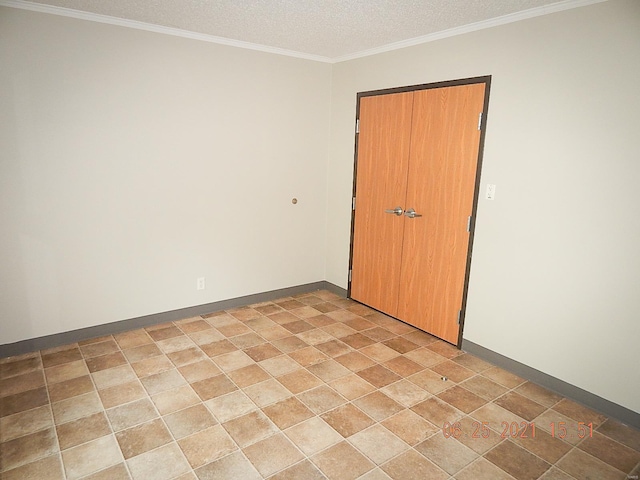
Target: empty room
{"type": "Point", "coordinates": [305, 240]}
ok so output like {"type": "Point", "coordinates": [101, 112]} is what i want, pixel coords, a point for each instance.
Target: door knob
{"type": "Point", "coordinates": [411, 213]}
{"type": "Point", "coordinates": [396, 211]}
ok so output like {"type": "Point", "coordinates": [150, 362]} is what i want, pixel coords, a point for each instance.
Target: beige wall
{"type": "Point", "coordinates": [555, 280]}
{"type": "Point", "coordinates": [133, 163]}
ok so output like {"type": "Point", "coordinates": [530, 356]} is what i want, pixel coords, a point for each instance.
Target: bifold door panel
{"type": "Point", "coordinates": [383, 162]}
{"type": "Point", "coordinates": [415, 181]}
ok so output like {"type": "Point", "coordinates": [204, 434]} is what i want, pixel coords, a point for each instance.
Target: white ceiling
{"type": "Point", "coordinates": [322, 29]}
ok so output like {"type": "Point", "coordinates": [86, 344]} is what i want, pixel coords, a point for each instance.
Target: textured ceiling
{"type": "Point", "coordinates": [325, 28]}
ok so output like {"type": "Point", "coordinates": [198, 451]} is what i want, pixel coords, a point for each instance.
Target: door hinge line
{"type": "Point", "coordinates": [350, 274]}
{"type": "Point", "coordinates": [353, 203]}
{"type": "Point", "coordinates": [357, 125]}
{"type": "Point", "coordinates": [469, 224]}
{"type": "Point", "coordinates": [480, 121]}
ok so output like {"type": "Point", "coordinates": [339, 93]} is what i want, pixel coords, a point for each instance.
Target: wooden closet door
{"type": "Point", "coordinates": [381, 184]}
{"type": "Point", "coordinates": [441, 183]}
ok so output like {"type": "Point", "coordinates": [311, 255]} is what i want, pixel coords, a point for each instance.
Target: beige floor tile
{"type": "Point", "coordinates": [379, 352]}
{"type": "Point", "coordinates": [273, 454]}
{"type": "Point", "coordinates": [378, 444]}
{"type": "Point", "coordinates": [25, 423]}
{"type": "Point", "coordinates": [133, 338]}
{"type": "Point", "coordinates": [99, 348]}
{"type": "Point", "coordinates": [342, 462]}
{"type": "Point", "coordinates": [410, 427]}
{"type": "Point", "coordinates": [482, 469]}
{"type": "Point", "coordinates": [405, 393]}
{"type": "Point", "coordinates": [332, 347]}
{"type": "Point", "coordinates": [313, 435]}
{"type": "Point", "coordinates": [351, 386]}
{"type": "Point", "coordinates": [347, 420]}
{"type": "Point", "coordinates": [163, 463]}
{"type": "Point", "coordinates": [233, 466]}
{"type": "Point", "coordinates": [378, 405]}
{"type": "Point", "coordinates": [70, 388]}
{"type": "Point", "coordinates": [142, 438]}
{"type": "Point", "coordinates": [449, 454]}
{"type": "Point", "coordinates": [321, 399]}
{"type": "Point", "coordinates": [473, 434]}
{"type": "Point", "coordinates": [403, 366]}
{"type": "Point", "coordinates": [48, 468]}
{"type": "Point", "coordinates": [21, 383]}
{"type": "Point", "coordinates": [21, 366]}
{"type": "Point", "coordinates": [104, 362]}
{"type": "Point", "coordinates": [250, 428]}
{"type": "Point", "coordinates": [538, 394]}
{"type": "Point", "coordinates": [160, 382]}
{"type": "Point", "coordinates": [233, 360]}
{"type": "Point", "coordinates": [472, 362]}
{"type": "Point", "coordinates": [483, 387]}
{"type": "Point", "coordinates": [120, 394]}
{"type": "Point", "coordinates": [437, 412]}
{"type": "Point", "coordinates": [425, 357]}
{"type": "Point", "coordinates": [518, 462]}
{"type": "Point", "coordinates": [267, 392]}
{"type": "Point", "coordinates": [308, 356]}
{"type": "Point", "coordinates": [315, 337]}
{"type": "Point", "coordinates": [303, 470]}
{"type": "Point", "coordinates": [91, 457]}
{"type": "Point", "coordinates": [262, 352]}
{"type": "Point", "coordinates": [83, 430]}
{"type": "Point", "coordinates": [115, 472]}
{"type": "Point", "coordinates": [520, 405]}
{"type": "Point", "coordinates": [287, 412]}
{"type": "Point", "coordinates": [142, 352]}
{"type": "Point", "coordinates": [354, 361]}
{"type": "Point", "coordinates": [230, 406]}
{"type": "Point", "coordinates": [413, 466]}
{"type": "Point", "coordinates": [175, 399]}
{"type": "Point", "coordinates": [66, 354]}
{"type": "Point", "coordinates": [66, 371]}
{"type": "Point", "coordinates": [299, 381]}
{"type": "Point", "coordinates": [462, 399]}
{"type": "Point", "coordinates": [189, 421]}
{"type": "Point", "coordinates": [207, 446]}
{"type": "Point", "coordinates": [213, 387]}
{"type": "Point", "coordinates": [28, 448]}
{"type": "Point", "coordinates": [378, 376]}
{"type": "Point", "coordinates": [200, 370]}
{"type": "Point", "coordinates": [453, 371]}
{"type": "Point", "coordinates": [134, 413]}
{"type": "Point", "coordinates": [249, 375]}
{"type": "Point", "coordinates": [280, 365]}
{"type": "Point", "coordinates": [504, 378]}
{"type": "Point", "coordinates": [430, 381]}
{"type": "Point", "coordinates": [329, 370]}
{"type": "Point", "coordinates": [76, 407]}
{"type": "Point", "coordinates": [113, 376]}
{"type": "Point", "coordinates": [21, 402]}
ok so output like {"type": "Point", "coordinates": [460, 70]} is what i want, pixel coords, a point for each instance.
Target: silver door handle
{"type": "Point", "coordinates": [396, 211]}
{"type": "Point", "coordinates": [411, 213]}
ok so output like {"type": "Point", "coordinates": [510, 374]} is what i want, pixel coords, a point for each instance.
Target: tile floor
{"type": "Point", "coordinates": [307, 387]}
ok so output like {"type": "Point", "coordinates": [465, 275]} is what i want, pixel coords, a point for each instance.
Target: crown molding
{"type": "Point", "coordinates": [149, 27]}
{"type": "Point", "coordinates": [472, 27]}
{"type": "Point", "coordinates": [176, 32]}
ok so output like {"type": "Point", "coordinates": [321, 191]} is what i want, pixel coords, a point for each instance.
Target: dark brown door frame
{"type": "Point", "coordinates": [451, 83]}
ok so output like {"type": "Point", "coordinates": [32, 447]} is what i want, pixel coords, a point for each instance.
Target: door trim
{"type": "Point", "coordinates": [476, 194]}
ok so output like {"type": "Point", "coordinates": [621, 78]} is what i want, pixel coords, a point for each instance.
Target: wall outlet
{"type": "Point", "coordinates": [200, 285]}
{"type": "Point", "coordinates": [491, 191]}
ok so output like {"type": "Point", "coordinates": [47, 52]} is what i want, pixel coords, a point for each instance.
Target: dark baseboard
{"type": "Point", "coordinates": [588, 399]}
{"type": "Point", "coordinates": [65, 338]}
